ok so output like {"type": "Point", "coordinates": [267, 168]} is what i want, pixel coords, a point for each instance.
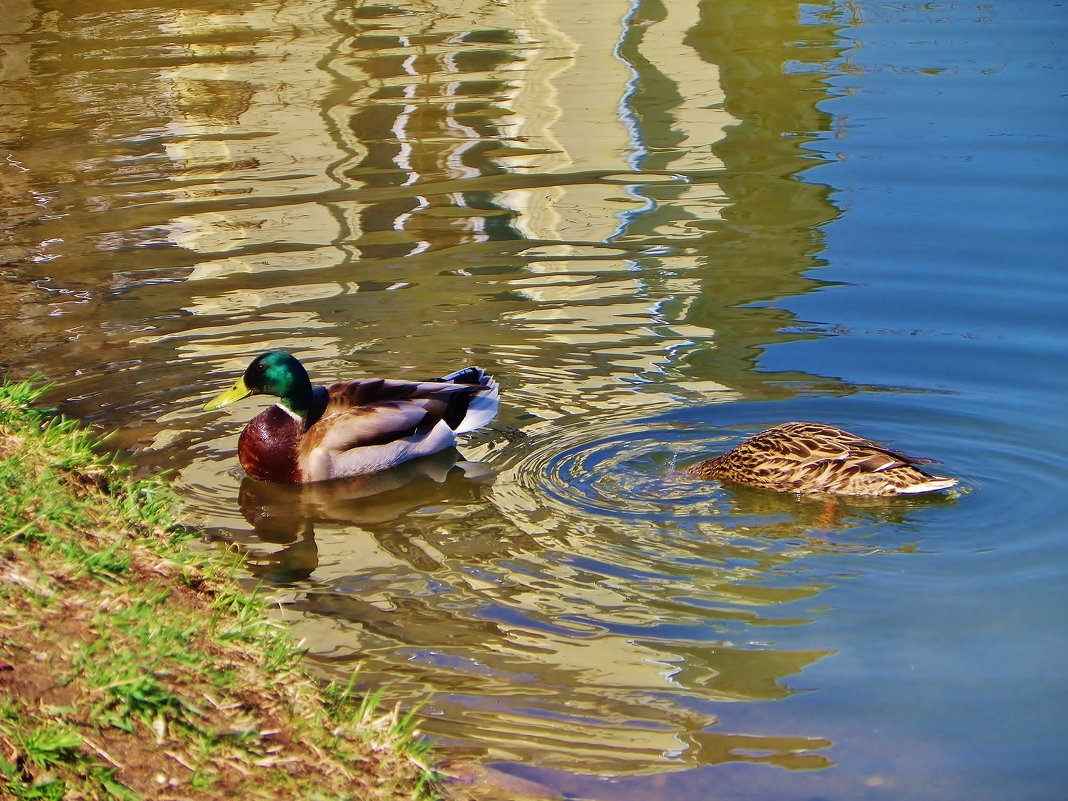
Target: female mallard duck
{"type": "Point", "coordinates": [353, 427]}
{"type": "Point", "coordinates": [818, 458]}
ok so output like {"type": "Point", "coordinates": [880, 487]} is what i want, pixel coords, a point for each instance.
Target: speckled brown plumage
{"type": "Point", "coordinates": [818, 458]}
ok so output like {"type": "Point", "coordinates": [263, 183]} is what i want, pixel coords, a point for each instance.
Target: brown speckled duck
{"type": "Point", "coordinates": [814, 458]}
{"type": "Point", "coordinates": [351, 428]}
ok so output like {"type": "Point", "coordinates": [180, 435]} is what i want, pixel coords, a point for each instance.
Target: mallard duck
{"type": "Point", "coordinates": [818, 458]}
{"type": "Point", "coordinates": [353, 427]}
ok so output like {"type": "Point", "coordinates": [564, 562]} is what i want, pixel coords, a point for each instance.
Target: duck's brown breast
{"type": "Point", "coordinates": [269, 447]}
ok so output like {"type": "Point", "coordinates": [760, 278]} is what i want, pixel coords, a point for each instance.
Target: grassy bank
{"type": "Point", "coordinates": [133, 665]}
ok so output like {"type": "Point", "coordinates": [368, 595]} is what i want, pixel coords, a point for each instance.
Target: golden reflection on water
{"type": "Point", "coordinates": [592, 205]}
{"type": "Point", "coordinates": [549, 635]}
{"type": "Point", "coordinates": [528, 650]}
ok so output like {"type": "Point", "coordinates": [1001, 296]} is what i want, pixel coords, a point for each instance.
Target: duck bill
{"type": "Point", "coordinates": [232, 395]}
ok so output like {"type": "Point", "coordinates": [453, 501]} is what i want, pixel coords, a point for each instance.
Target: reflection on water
{"type": "Point", "coordinates": [286, 514]}
{"type": "Point", "coordinates": [663, 226]}
{"type": "Point", "coordinates": [588, 609]}
{"type": "Point", "coordinates": [422, 152]}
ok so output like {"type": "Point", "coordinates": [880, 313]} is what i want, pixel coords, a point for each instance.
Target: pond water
{"type": "Point", "coordinates": [661, 226]}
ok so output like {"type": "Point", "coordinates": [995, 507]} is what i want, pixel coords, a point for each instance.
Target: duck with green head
{"type": "Point", "coordinates": [351, 428]}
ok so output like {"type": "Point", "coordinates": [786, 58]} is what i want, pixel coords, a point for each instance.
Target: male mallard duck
{"type": "Point", "coordinates": [353, 427]}
{"type": "Point", "coordinates": [815, 458]}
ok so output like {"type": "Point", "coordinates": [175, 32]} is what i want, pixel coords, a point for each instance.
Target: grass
{"type": "Point", "coordinates": [133, 665]}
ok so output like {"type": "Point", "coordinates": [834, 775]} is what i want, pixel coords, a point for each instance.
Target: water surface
{"type": "Point", "coordinates": [662, 226]}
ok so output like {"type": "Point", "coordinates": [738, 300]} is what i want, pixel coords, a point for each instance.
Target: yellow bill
{"type": "Point", "coordinates": [232, 395]}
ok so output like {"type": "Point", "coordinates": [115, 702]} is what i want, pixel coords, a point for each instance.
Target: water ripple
{"type": "Point", "coordinates": [616, 469]}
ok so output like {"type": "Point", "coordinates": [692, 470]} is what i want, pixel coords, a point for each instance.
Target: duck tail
{"type": "Point", "coordinates": [933, 484]}
{"type": "Point", "coordinates": [474, 410]}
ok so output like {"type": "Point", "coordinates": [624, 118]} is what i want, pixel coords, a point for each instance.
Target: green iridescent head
{"type": "Point", "coordinates": [274, 373]}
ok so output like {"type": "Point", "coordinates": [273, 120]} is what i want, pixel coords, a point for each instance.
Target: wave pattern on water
{"type": "Point", "coordinates": [662, 227]}
{"type": "Point", "coordinates": [589, 599]}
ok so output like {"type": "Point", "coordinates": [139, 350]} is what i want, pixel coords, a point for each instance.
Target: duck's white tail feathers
{"type": "Point", "coordinates": [934, 485]}
{"type": "Point", "coordinates": [482, 406]}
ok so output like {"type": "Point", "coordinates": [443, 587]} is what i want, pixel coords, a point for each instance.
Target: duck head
{"type": "Point", "coordinates": [275, 373]}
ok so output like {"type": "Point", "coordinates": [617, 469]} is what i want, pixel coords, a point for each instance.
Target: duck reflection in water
{"type": "Point", "coordinates": [286, 514]}
{"type": "Point", "coordinates": [822, 520]}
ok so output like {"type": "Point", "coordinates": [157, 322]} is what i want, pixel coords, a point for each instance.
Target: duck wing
{"type": "Point", "coordinates": [377, 411]}
{"type": "Point", "coordinates": [815, 443]}
{"type": "Point", "coordinates": [369, 391]}
{"type": "Point", "coordinates": [366, 426]}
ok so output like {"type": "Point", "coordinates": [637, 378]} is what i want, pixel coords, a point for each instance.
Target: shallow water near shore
{"type": "Point", "coordinates": [662, 227]}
